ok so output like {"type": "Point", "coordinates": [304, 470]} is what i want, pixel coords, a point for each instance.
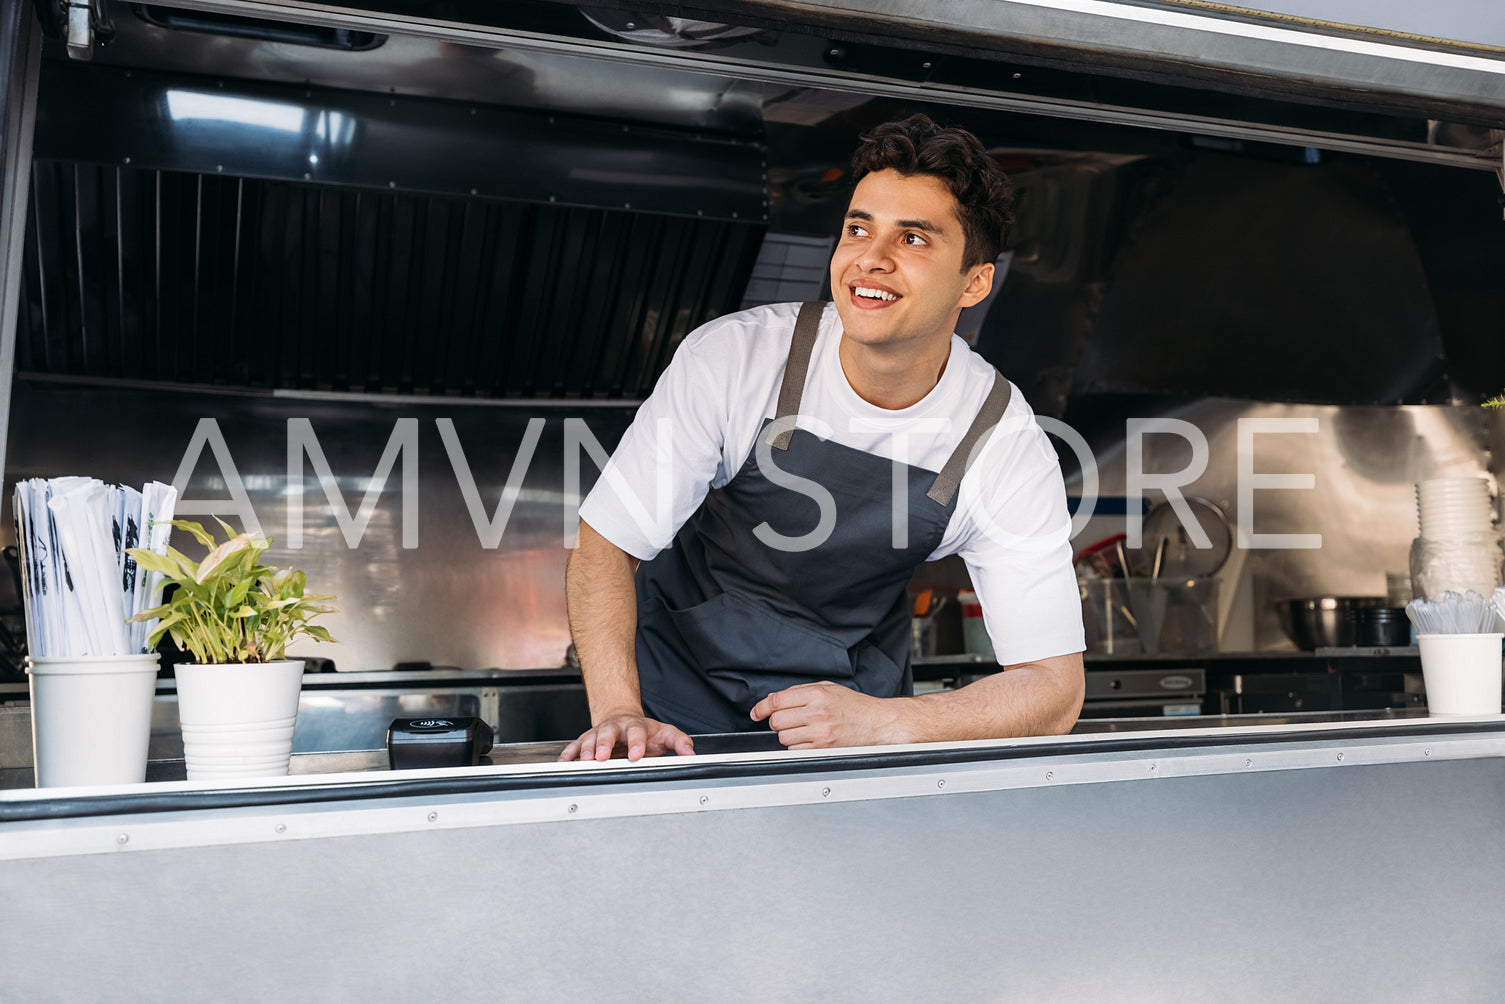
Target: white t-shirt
{"type": "Point", "coordinates": [698, 427]}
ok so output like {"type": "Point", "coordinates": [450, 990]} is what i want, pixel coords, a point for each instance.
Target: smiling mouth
{"type": "Point", "coordinates": [874, 294]}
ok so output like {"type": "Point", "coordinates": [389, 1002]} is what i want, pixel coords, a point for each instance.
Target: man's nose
{"type": "Point", "coordinates": [876, 257]}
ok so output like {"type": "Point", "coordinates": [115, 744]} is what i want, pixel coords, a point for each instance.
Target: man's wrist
{"type": "Point", "coordinates": [618, 711]}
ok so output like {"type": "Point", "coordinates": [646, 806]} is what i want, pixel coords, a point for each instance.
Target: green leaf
{"type": "Point", "coordinates": [199, 533]}
{"type": "Point", "coordinates": [223, 557]}
{"type": "Point", "coordinates": [152, 561]}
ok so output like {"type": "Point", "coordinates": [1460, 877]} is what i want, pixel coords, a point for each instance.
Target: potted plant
{"type": "Point", "coordinates": [238, 699]}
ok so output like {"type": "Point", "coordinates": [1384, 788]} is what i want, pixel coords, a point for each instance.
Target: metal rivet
{"type": "Point", "coordinates": [835, 52]}
{"type": "Point", "coordinates": [433, 816]}
{"type": "Point", "coordinates": [306, 176]}
{"type": "Point", "coordinates": [391, 184]}
{"type": "Point", "coordinates": [825, 792]}
{"type": "Point", "coordinates": [472, 191]}
{"type": "Point", "coordinates": [122, 838]}
{"type": "Point", "coordinates": [1426, 752]}
{"type": "Point", "coordinates": [626, 205]}
{"type": "Point", "coordinates": [941, 783]}
{"type": "Point", "coordinates": [925, 65]}
{"type": "Point", "coordinates": [128, 160]}
{"type": "Point", "coordinates": [280, 827]}
{"type": "Point", "coordinates": [1049, 775]}
{"type": "Point", "coordinates": [472, 111]}
{"type": "Point", "coordinates": [1018, 75]}
{"type": "Point", "coordinates": [734, 216]}
{"type": "Point", "coordinates": [1152, 766]}
{"type": "Point", "coordinates": [704, 799]}
{"type": "Point", "coordinates": [551, 120]}
{"type": "Point", "coordinates": [574, 807]}
{"type": "Point", "coordinates": [551, 198]}
{"type": "Point", "coordinates": [632, 26]}
{"type": "Point", "coordinates": [1248, 763]}
{"type": "Point", "coordinates": [392, 102]}
{"type": "Point", "coordinates": [1340, 756]}
{"type": "Point", "coordinates": [219, 167]}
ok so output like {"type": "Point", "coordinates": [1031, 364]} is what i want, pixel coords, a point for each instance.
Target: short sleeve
{"type": "Point", "coordinates": [1017, 546]}
{"type": "Point", "coordinates": [669, 456]}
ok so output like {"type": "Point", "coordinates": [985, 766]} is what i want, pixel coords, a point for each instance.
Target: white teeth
{"type": "Point", "coordinates": [873, 294]}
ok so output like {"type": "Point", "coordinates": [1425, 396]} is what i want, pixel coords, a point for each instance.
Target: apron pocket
{"type": "Point", "coordinates": [734, 638]}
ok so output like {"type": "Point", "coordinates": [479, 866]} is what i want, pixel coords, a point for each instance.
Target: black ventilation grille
{"type": "Point", "coordinates": [206, 279]}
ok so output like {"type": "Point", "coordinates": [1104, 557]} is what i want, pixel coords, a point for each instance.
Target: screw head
{"type": "Point", "coordinates": [1340, 756]}
{"type": "Point", "coordinates": [280, 827]}
{"type": "Point", "coordinates": [1049, 775]}
{"type": "Point", "coordinates": [1248, 763]}
{"type": "Point", "coordinates": [574, 807]}
{"type": "Point", "coordinates": [128, 160]}
{"type": "Point", "coordinates": [433, 816]}
{"type": "Point", "coordinates": [925, 66]}
{"type": "Point", "coordinates": [122, 838]}
{"type": "Point", "coordinates": [825, 792]}
{"type": "Point", "coordinates": [704, 799]}
{"type": "Point", "coordinates": [1152, 766]}
{"type": "Point", "coordinates": [941, 783]}
{"type": "Point", "coordinates": [1426, 752]}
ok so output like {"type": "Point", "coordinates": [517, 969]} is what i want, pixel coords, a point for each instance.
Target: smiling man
{"type": "Point", "coordinates": [802, 460]}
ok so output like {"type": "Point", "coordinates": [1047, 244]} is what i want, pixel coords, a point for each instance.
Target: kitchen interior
{"type": "Point", "coordinates": [388, 281]}
{"type": "Point", "coordinates": [239, 228]}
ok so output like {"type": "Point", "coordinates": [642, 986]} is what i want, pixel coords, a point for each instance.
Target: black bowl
{"type": "Point", "coordinates": [1324, 621]}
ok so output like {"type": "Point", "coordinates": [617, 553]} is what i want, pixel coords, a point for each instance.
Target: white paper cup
{"type": "Point", "coordinates": [91, 718]}
{"type": "Point", "coordinates": [1462, 673]}
{"type": "Point", "coordinates": [1451, 507]}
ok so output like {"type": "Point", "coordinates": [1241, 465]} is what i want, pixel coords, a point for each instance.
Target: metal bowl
{"type": "Point", "coordinates": [1323, 621]}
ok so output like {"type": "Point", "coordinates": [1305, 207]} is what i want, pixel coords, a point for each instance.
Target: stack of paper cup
{"type": "Point", "coordinates": [1458, 548]}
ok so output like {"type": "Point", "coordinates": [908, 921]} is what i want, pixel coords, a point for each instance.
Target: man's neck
{"type": "Point", "coordinates": [893, 377]}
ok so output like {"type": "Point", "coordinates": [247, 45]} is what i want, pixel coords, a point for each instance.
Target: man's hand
{"type": "Point", "coordinates": [631, 733]}
{"type": "Point", "coordinates": [822, 715]}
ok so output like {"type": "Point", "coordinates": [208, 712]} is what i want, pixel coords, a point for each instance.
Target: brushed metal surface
{"type": "Point", "coordinates": [1365, 462]}
{"type": "Point", "coordinates": [449, 600]}
{"type": "Point", "coordinates": [1172, 47]}
{"type": "Point", "coordinates": [20, 65]}
{"type": "Point", "coordinates": [507, 884]}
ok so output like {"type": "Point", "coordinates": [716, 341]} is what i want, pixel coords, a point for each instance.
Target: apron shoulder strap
{"type": "Point", "coordinates": [806, 328]}
{"type": "Point", "coordinates": [943, 489]}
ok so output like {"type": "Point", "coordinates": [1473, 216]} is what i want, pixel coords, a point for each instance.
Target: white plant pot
{"type": "Point", "coordinates": [238, 718]}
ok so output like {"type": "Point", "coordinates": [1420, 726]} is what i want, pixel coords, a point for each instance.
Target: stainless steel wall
{"type": "Point", "coordinates": [441, 595]}
{"type": "Point", "coordinates": [1364, 463]}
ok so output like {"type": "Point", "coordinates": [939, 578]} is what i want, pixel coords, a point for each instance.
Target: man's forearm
{"type": "Point", "coordinates": [602, 603]}
{"type": "Point", "coordinates": [1033, 699]}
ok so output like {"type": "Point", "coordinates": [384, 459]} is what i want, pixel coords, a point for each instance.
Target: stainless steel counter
{"type": "Point", "coordinates": [1128, 861]}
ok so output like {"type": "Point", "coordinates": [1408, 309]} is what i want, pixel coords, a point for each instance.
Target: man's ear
{"type": "Point", "coordinates": [979, 285]}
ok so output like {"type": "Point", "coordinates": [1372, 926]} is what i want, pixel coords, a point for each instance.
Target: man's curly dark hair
{"type": "Point", "coordinates": [984, 194]}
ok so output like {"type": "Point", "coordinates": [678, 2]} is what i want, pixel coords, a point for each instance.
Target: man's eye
{"type": "Point", "coordinates": [855, 230]}
{"type": "Point", "coordinates": [915, 239]}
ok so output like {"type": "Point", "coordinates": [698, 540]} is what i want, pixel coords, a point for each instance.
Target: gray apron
{"type": "Point", "coordinates": [724, 619]}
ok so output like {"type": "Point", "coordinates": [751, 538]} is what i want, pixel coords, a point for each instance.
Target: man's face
{"type": "Point", "coordinates": [896, 275]}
